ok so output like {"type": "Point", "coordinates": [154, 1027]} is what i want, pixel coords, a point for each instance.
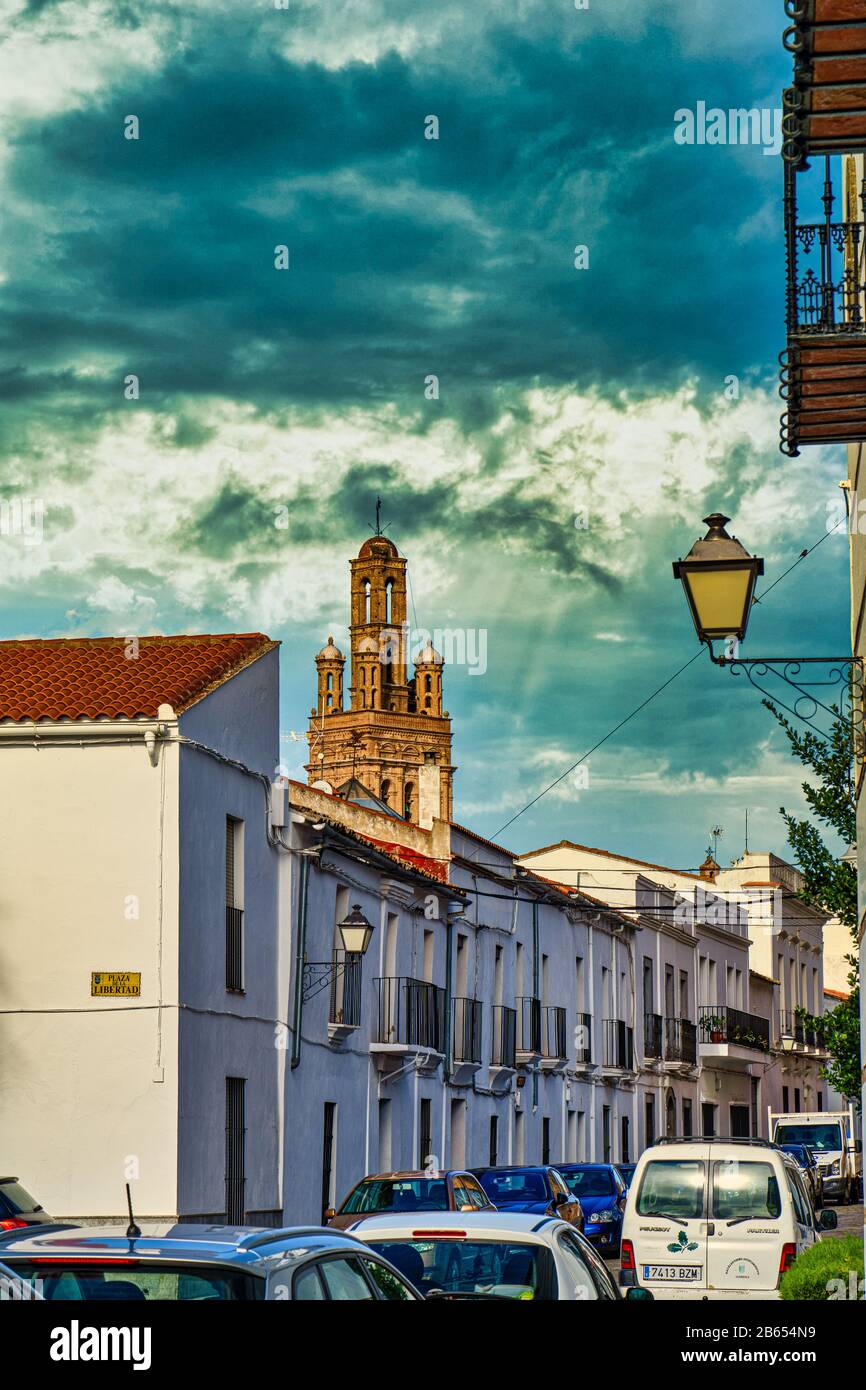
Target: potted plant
{"type": "Point", "coordinates": [714, 1025]}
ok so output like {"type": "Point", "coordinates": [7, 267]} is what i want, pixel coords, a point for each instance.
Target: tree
{"type": "Point", "coordinates": [830, 884]}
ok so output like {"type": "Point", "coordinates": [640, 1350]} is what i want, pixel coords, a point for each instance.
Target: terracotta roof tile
{"type": "Point", "coordinates": [93, 677]}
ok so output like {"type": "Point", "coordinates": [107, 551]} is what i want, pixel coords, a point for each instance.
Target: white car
{"type": "Point", "coordinates": [452, 1254]}
{"type": "Point", "coordinates": [715, 1219]}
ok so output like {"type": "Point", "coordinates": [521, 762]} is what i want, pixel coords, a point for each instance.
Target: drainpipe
{"type": "Point", "coordinates": [300, 949]}
{"type": "Point", "coordinates": [449, 951]}
{"type": "Point", "coordinates": [535, 989]}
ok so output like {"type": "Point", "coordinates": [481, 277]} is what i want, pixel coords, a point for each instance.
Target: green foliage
{"type": "Point", "coordinates": [829, 884]}
{"type": "Point", "coordinates": [822, 1272]}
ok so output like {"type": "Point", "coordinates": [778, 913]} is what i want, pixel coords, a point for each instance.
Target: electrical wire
{"type": "Point", "coordinates": [801, 557]}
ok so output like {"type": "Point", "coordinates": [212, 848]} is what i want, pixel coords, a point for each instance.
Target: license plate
{"type": "Point", "coordinates": [673, 1274]}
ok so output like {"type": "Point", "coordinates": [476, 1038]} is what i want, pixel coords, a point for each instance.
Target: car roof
{"type": "Point", "coordinates": [495, 1225]}
{"type": "Point", "coordinates": [575, 1164]}
{"type": "Point", "coordinates": [435, 1173]}
{"type": "Point", "coordinates": [515, 1168]}
{"type": "Point", "coordinates": [243, 1245]}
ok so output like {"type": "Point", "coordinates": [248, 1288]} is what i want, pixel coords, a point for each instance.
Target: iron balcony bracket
{"type": "Point", "coordinates": [806, 694]}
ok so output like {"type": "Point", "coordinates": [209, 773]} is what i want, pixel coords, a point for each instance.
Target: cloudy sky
{"type": "Point", "coordinates": [585, 421]}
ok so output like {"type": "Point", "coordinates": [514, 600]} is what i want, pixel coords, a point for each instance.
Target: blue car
{"type": "Point", "coordinates": [535, 1189]}
{"type": "Point", "coordinates": [601, 1192]}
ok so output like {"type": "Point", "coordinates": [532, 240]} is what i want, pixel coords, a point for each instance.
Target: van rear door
{"type": "Point", "coordinates": [750, 1211]}
{"type": "Point", "coordinates": [669, 1226]}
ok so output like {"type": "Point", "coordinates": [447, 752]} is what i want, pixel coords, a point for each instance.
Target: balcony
{"type": "Point", "coordinates": [730, 1037]}
{"type": "Point", "coordinates": [681, 1041]}
{"type": "Point", "coordinates": [823, 379]}
{"type": "Point", "coordinates": [825, 109]}
{"type": "Point", "coordinates": [618, 1051]}
{"type": "Point", "coordinates": [344, 1013]}
{"type": "Point", "coordinates": [410, 1018]}
{"type": "Point", "coordinates": [554, 1049]}
{"type": "Point", "coordinates": [583, 1040]}
{"type": "Point", "coordinates": [465, 1039]}
{"type": "Point", "coordinates": [503, 1056]}
{"type": "Point", "coordinates": [792, 1027]}
{"type": "Point", "coordinates": [528, 1030]}
{"type": "Point", "coordinates": [235, 950]}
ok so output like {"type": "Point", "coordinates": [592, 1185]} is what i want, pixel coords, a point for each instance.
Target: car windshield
{"type": "Point", "coordinates": [514, 1187]}
{"type": "Point", "coordinates": [473, 1266]}
{"type": "Point", "coordinates": [743, 1190]}
{"type": "Point", "coordinates": [821, 1138]}
{"type": "Point", "coordinates": [397, 1194]}
{"type": "Point", "coordinates": [672, 1187]}
{"type": "Point", "coordinates": [102, 1281]}
{"type": "Point", "coordinates": [590, 1182]}
{"type": "Point", "coordinates": [14, 1199]}
{"type": "Point", "coordinates": [800, 1152]}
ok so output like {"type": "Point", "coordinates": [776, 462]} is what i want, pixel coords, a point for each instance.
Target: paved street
{"type": "Point", "coordinates": [850, 1220]}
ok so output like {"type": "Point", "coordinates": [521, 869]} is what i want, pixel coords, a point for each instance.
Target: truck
{"type": "Point", "coordinates": [830, 1134]}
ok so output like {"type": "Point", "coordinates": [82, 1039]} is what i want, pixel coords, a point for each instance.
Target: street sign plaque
{"type": "Point", "coordinates": [116, 983]}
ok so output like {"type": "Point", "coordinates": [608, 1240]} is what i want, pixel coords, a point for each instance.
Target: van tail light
{"type": "Point", "coordinates": [789, 1254]}
{"type": "Point", "coordinates": [626, 1255]}
{"type": "Point", "coordinates": [12, 1225]}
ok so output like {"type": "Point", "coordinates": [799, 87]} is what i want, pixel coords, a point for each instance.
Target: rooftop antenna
{"type": "Point", "coordinates": [132, 1230]}
{"type": "Point", "coordinates": [380, 529]}
{"type": "Point", "coordinates": [716, 832]}
{"type": "Point", "coordinates": [747, 830]}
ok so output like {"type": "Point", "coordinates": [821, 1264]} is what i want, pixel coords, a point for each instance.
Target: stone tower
{"type": "Point", "coordinates": [394, 736]}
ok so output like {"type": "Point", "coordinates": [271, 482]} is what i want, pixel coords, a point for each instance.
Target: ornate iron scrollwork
{"type": "Point", "coordinates": [793, 685]}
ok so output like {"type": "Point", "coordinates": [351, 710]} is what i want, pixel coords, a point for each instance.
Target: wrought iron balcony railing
{"type": "Point", "coordinates": [652, 1035]}
{"type": "Point", "coordinates": [718, 1023]}
{"type": "Point", "coordinates": [504, 1036]}
{"type": "Point", "coordinates": [618, 1044]}
{"type": "Point", "coordinates": [235, 949]}
{"type": "Point", "coordinates": [583, 1038]}
{"type": "Point", "coordinates": [553, 1035]}
{"type": "Point", "coordinates": [528, 1024]}
{"type": "Point", "coordinates": [345, 1007]}
{"type": "Point", "coordinates": [410, 1012]}
{"type": "Point", "coordinates": [466, 1040]}
{"type": "Point", "coordinates": [792, 1025]}
{"type": "Point", "coordinates": [681, 1040]}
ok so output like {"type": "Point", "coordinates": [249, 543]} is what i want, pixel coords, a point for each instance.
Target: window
{"type": "Point", "coordinates": [425, 1131]}
{"type": "Point", "coordinates": [385, 792]}
{"type": "Point", "coordinates": [687, 1119]}
{"type": "Point", "coordinates": [650, 1122]}
{"type": "Point", "coordinates": [396, 1194]}
{"type": "Point", "coordinates": [744, 1190]}
{"type": "Point", "coordinates": [384, 1136]}
{"type": "Point", "coordinates": [366, 598]}
{"type": "Point", "coordinates": [545, 1140]}
{"type": "Point", "coordinates": [408, 801]}
{"type": "Point", "coordinates": [583, 1285]}
{"type": "Point", "coordinates": [786, 1109]}
{"type": "Point", "coordinates": [625, 1155]}
{"type": "Point", "coordinates": [796, 1100]}
{"type": "Point", "coordinates": [708, 1119]}
{"type": "Point", "coordinates": [580, 1254]}
{"type": "Point", "coordinates": [740, 1121]}
{"type": "Point", "coordinates": [494, 1141]}
{"type": "Point", "coordinates": [519, 1140]}
{"type": "Point", "coordinates": [802, 1205]}
{"type": "Point", "coordinates": [234, 1163]}
{"type": "Point", "coordinates": [308, 1286]}
{"type": "Point", "coordinates": [344, 1280]}
{"type": "Point", "coordinates": [391, 1289]}
{"type": "Point", "coordinates": [497, 975]}
{"type": "Point", "coordinates": [605, 1133]}
{"type": "Point", "coordinates": [329, 1127]}
{"type": "Point", "coordinates": [234, 905]}
{"type": "Point", "coordinates": [458, 1133]}
{"type": "Point", "coordinates": [672, 1187]}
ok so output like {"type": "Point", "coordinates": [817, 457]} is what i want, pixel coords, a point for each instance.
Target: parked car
{"type": "Point", "coordinates": [540, 1189]}
{"type": "Point", "coordinates": [810, 1169]}
{"type": "Point", "coordinates": [626, 1172]}
{"type": "Point", "coordinates": [189, 1263]}
{"type": "Point", "coordinates": [502, 1255]}
{"type": "Point", "coordinates": [601, 1193]}
{"type": "Point", "coordinates": [18, 1208]}
{"type": "Point", "coordinates": [452, 1190]}
{"type": "Point", "coordinates": [716, 1219]}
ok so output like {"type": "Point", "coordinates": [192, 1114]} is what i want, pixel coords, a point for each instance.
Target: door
{"type": "Point", "coordinates": [747, 1211]}
{"type": "Point", "coordinates": [740, 1121]}
{"type": "Point", "coordinates": [668, 1225]}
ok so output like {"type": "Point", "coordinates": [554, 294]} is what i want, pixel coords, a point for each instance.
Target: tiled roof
{"type": "Point", "coordinates": [97, 677]}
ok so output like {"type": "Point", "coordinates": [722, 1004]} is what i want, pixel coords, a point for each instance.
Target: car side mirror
{"type": "Point", "coordinates": [857, 1146]}
{"type": "Point", "coordinates": [828, 1220]}
{"type": "Point", "coordinates": [643, 1295]}
{"type": "Point", "coordinates": [329, 1213]}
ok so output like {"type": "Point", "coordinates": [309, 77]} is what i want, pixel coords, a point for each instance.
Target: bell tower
{"type": "Point", "coordinates": [392, 735]}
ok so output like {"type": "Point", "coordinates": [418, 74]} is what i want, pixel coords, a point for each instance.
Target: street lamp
{"type": "Point", "coordinates": [355, 933]}
{"type": "Point", "coordinates": [718, 576]}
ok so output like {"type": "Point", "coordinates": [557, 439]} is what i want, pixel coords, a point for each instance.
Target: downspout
{"type": "Point", "coordinates": [300, 949]}
{"type": "Point", "coordinates": [535, 988]}
{"type": "Point", "coordinates": [449, 951]}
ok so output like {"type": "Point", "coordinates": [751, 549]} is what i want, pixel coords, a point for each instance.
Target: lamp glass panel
{"type": "Point", "coordinates": [719, 597]}
{"type": "Point", "coordinates": [355, 939]}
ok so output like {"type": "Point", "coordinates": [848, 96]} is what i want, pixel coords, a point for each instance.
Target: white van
{"type": "Point", "coordinates": [715, 1219]}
